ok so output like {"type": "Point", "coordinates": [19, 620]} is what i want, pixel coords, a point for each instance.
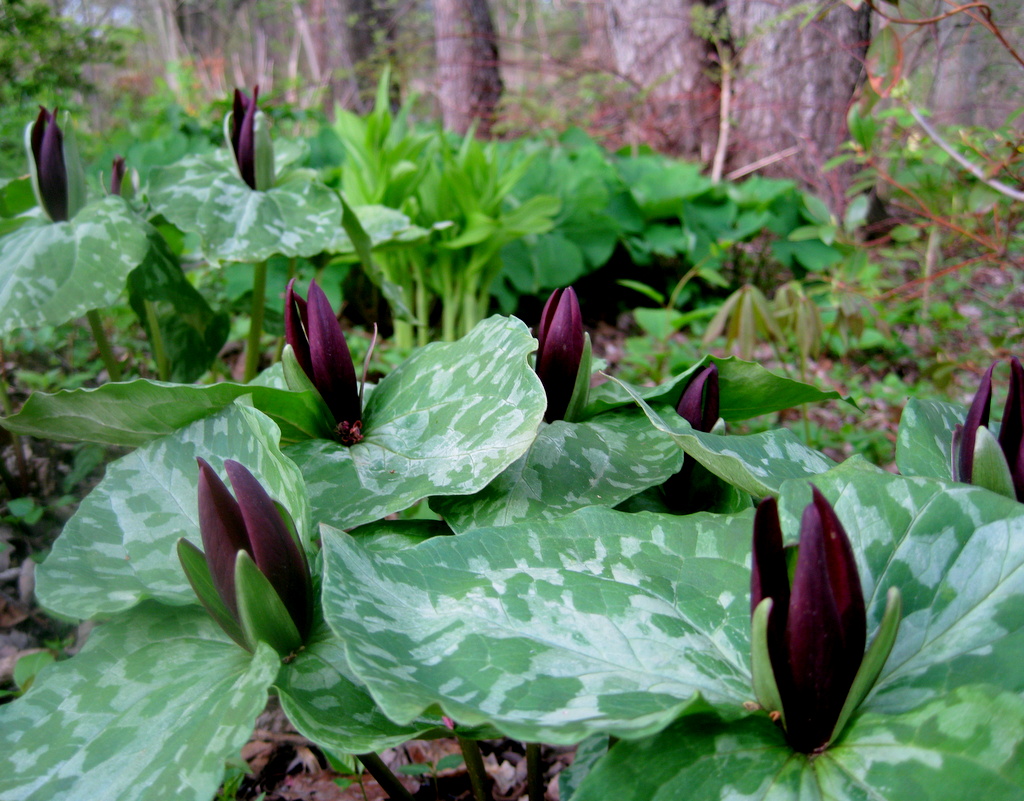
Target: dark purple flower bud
{"type": "Point", "coordinates": [560, 334]}
{"type": "Point", "coordinates": [252, 524]}
{"type": "Point", "coordinates": [47, 141]}
{"type": "Point", "coordinates": [1001, 468]}
{"type": "Point", "coordinates": [1011, 431]}
{"type": "Point", "coordinates": [315, 334]}
{"type": "Point", "coordinates": [117, 171]}
{"type": "Point", "coordinates": [977, 416]}
{"type": "Point", "coordinates": [699, 403]}
{"type": "Point", "coordinates": [817, 630]}
{"type": "Point", "coordinates": [243, 136]}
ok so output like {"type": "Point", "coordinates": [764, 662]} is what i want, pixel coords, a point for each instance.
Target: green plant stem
{"type": "Point", "coordinates": [385, 778]}
{"type": "Point", "coordinates": [534, 775]}
{"type": "Point", "coordinates": [156, 340]}
{"type": "Point", "coordinates": [106, 352]}
{"type": "Point", "coordinates": [259, 297]}
{"type": "Point", "coordinates": [422, 305]}
{"type": "Point", "coordinates": [279, 349]}
{"type": "Point", "coordinates": [475, 767]}
{"type": "Point", "coordinates": [19, 452]}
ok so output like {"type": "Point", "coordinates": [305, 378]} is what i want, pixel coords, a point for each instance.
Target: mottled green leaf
{"type": "Point", "coordinates": [150, 709]}
{"type": "Point", "coordinates": [600, 621]}
{"type": "Point", "coordinates": [756, 463]}
{"type": "Point", "coordinates": [446, 421]}
{"type": "Point", "coordinates": [956, 553]}
{"type": "Point", "coordinates": [134, 412]}
{"type": "Point", "coordinates": [53, 272]}
{"type": "Point", "coordinates": [204, 195]}
{"type": "Point", "coordinates": [924, 444]}
{"type": "Point", "coordinates": [325, 703]}
{"type": "Point", "coordinates": [945, 750]}
{"type": "Point", "coordinates": [599, 462]}
{"type": "Point", "coordinates": [120, 546]}
{"type": "Point", "coordinates": [298, 216]}
{"type": "Point", "coordinates": [747, 390]}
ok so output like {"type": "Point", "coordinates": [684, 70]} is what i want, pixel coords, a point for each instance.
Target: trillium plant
{"type": "Point", "coordinates": [494, 540]}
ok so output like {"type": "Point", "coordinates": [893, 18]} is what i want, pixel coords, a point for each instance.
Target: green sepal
{"type": "Point", "coordinates": [766, 690]}
{"type": "Point", "coordinates": [261, 611]}
{"type": "Point", "coordinates": [263, 153]}
{"type": "Point", "coordinates": [581, 389]}
{"type": "Point", "coordinates": [294, 376]}
{"type": "Point", "coordinates": [74, 167]}
{"type": "Point", "coordinates": [197, 571]}
{"type": "Point", "coordinates": [990, 468]}
{"type": "Point", "coordinates": [874, 659]}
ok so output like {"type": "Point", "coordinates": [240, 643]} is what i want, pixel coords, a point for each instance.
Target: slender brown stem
{"type": "Point", "coordinates": [385, 778]}
{"type": "Point", "coordinates": [475, 767]}
{"type": "Point", "coordinates": [534, 773]}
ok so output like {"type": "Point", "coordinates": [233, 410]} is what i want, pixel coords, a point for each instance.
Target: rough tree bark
{"type": "Point", "coordinates": [468, 76]}
{"type": "Point", "coordinates": [655, 49]}
{"type": "Point", "coordinates": [794, 86]}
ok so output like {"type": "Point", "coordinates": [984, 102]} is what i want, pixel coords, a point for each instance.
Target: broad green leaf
{"type": "Point", "coordinates": [192, 333]}
{"type": "Point", "coordinates": [956, 553]}
{"type": "Point", "coordinates": [747, 390]}
{"type": "Point", "coordinates": [599, 462]}
{"type": "Point", "coordinates": [945, 750]}
{"type": "Point", "coordinates": [323, 701]}
{"type": "Point", "coordinates": [150, 709]}
{"type": "Point", "coordinates": [54, 272]}
{"type": "Point", "coordinates": [755, 463]}
{"type": "Point", "coordinates": [924, 444]}
{"type": "Point", "coordinates": [204, 195]}
{"type": "Point", "coordinates": [120, 546]}
{"type": "Point", "coordinates": [444, 422]}
{"type": "Point", "coordinates": [598, 622]}
{"type": "Point", "coordinates": [133, 413]}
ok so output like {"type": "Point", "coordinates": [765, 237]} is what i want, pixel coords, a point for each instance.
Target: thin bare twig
{"type": "Point", "coordinates": [970, 166]}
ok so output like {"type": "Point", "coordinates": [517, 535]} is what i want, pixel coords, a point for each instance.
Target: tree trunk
{"type": "Point", "coordinates": [794, 86]}
{"type": "Point", "coordinates": [469, 81]}
{"type": "Point", "coordinates": [656, 50]}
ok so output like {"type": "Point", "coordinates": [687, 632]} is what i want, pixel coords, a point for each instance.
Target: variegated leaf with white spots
{"type": "Point", "coordinates": [325, 703]}
{"type": "Point", "coordinates": [205, 195]}
{"type": "Point", "coordinates": [747, 390]}
{"type": "Point", "coordinates": [119, 548]}
{"type": "Point", "coordinates": [756, 463]}
{"type": "Point", "coordinates": [298, 216]}
{"type": "Point", "coordinates": [948, 749]}
{"type": "Point", "coordinates": [54, 272]}
{"type": "Point", "coordinates": [608, 622]}
{"type": "Point", "coordinates": [956, 553]}
{"type": "Point", "coordinates": [133, 413]}
{"type": "Point", "coordinates": [150, 710]}
{"type": "Point", "coordinates": [924, 444]}
{"type": "Point", "coordinates": [600, 621]}
{"type": "Point", "coordinates": [446, 421]}
{"type": "Point", "coordinates": [598, 462]}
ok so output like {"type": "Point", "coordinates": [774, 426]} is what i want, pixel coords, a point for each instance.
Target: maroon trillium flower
{"type": "Point", "coordinates": [698, 406]}
{"type": "Point", "coordinates": [560, 334]}
{"type": "Point", "coordinates": [243, 134]}
{"type": "Point", "coordinates": [817, 628]}
{"type": "Point", "coordinates": [117, 171]}
{"type": "Point", "coordinates": [47, 143]}
{"type": "Point", "coordinates": [1011, 432]}
{"type": "Point", "coordinates": [315, 334]}
{"type": "Point", "coordinates": [253, 524]}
